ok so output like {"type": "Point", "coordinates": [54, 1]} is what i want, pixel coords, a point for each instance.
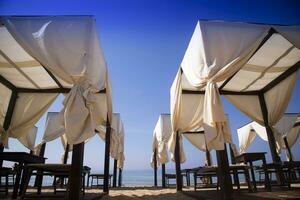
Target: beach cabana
{"type": "Point", "coordinates": [253, 65]}
{"type": "Point", "coordinates": [43, 56]}
{"type": "Point", "coordinates": [286, 132]}
{"type": "Point", "coordinates": [116, 145]}
{"type": "Point", "coordinates": [161, 136]}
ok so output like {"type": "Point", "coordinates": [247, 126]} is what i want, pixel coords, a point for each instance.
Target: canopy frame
{"type": "Point", "coordinates": [78, 151]}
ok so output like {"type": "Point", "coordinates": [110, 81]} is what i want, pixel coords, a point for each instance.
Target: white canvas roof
{"type": "Point", "coordinates": [41, 57]}
{"type": "Point", "coordinates": [247, 63]}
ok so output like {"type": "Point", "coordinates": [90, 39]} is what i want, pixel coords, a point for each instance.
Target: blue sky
{"type": "Point", "coordinates": [144, 42]}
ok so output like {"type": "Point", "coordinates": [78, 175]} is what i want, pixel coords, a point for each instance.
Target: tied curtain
{"type": "Point", "coordinates": [69, 48]}
{"type": "Point", "coordinates": [161, 136]}
{"type": "Point", "coordinates": [218, 50]}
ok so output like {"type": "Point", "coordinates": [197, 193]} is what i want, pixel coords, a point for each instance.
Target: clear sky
{"type": "Point", "coordinates": [144, 43]}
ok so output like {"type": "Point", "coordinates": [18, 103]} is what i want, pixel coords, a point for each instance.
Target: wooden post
{"type": "Point", "coordinates": [232, 155]}
{"type": "Point", "coordinates": [39, 177]}
{"type": "Point", "coordinates": [66, 155]}
{"type": "Point", "coordinates": [8, 117]}
{"type": "Point", "coordinates": [115, 173]}
{"type": "Point", "coordinates": [288, 148]}
{"type": "Point", "coordinates": [120, 178]}
{"type": "Point", "coordinates": [106, 159]}
{"type": "Point", "coordinates": [75, 181]}
{"type": "Point", "coordinates": [208, 157]}
{"type": "Point", "coordinates": [271, 138]}
{"type": "Point", "coordinates": [155, 168]}
{"type": "Point", "coordinates": [177, 164]}
{"type": "Point", "coordinates": [163, 175]}
{"type": "Point", "coordinates": [224, 178]}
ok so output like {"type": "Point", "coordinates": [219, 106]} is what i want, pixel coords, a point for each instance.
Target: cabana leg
{"type": "Point", "coordinates": [224, 178]}
{"type": "Point", "coordinates": [39, 176]}
{"type": "Point", "coordinates": [163, 175]}
{"type": "Point", "coordinates": [288, 148]}
{"type": "Point", "coordinates": [120, 178]}
{"type": "Point", "coordinates": [155, 169]}
{"type": "Point", "coordinates": [271, 138]}
{"type": "Point", "coordinates": [8, 116]}
{"type": "Point", "coordinates": [106, 159]}
{"type": "Point", "coordinates": [177, 163]}
{"type": "Point", "coordinates": [76, 172]}
{"type": "Point", "coordinates": [115, 173]}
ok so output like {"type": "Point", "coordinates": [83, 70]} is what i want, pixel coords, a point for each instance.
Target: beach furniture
{"type": "Point", "coordinates": [39, 65]}
{"type": "Point", "coordinates": [98, 178]}
{"type": "Point", "coordinates": [161, 136]}
{"type": "Point", "coordinates": [237, 60]}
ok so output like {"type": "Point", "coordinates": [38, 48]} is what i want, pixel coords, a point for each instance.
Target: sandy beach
{"type": "Point", "coordinates": [151, 193]}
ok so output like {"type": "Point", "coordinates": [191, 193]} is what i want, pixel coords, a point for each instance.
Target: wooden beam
{"type": "Point", "coordinates": [271, 138]}
{"type": "Point", "coordinates": [53, 90]}
{"type": "Point", "coordinates": [208, 156]}
{"type": "Point", "coordinates": [75, 178]}
{"type": "Point", "coordinates": [155, 168]}
{"type": "Point", "coordinates": [193, 132]}
{"type": "Point", "coordinates": [106, 158]}
{"type": "Point", "coordinates": [7, 83]}
{"type": "Point", "coordinates": [115, 173]}
{"type": "Point", "coordinates": [163, 175]}
{"type": "Point", "coordinates": [287, 146]}
{"type": "Point", "coordinates": [53, 77]}
{"type": "Point", "coordinates": [177, 164]}
{"type": "Point", "coordinates": [120, 178]}
{"type": "Point", "coordinates": [224, 178]}
{"type": "Point", "coordinates": [281, 77]}
{"type": "Point", "coordinates": [222, 92]}
{"type": "Point", "coordinates": [296, 124]}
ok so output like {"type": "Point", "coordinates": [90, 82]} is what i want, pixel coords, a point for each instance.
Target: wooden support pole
{"type": "Point", "coordinates": [155, 168]}
{"type": "Point", "coordinates": [208, 157]}
{"type": "Point", "coordinates": [66, 155]}
{"type": "Point", "coordinates": [39, 177]}
{"type": "Point", "coordinates": [163, 175]}
{"type": "Point", "coordinates": [224, 178]}
{"type": "Point", "coordinates": [106, 158]}
{"type": "Point", "coordinates": [115, 173]}
{"type": "Point", "coordinates": [8, 117]}
{"type": "Point", "coordinates": [287, 146]}
{"type": "Point", "coordinates": [120, 178]}
{"type": "Point", "coordinates": [271, 138]}
{"type": "Point", "coordinates": [75, 181]}
{"type": "Point", "coordinates": [232, 155]}
{"type": "Point", "coordinates": [177, 164]}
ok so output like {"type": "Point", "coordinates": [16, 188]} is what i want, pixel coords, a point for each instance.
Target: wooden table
{"type": "Point", "coordinates": [21, 158]}
{"type": "Point", "coordinates": [250, 158]}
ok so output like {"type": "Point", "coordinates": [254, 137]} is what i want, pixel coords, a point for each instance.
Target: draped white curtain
{"type": "Point", "coordinates": [28, 110]}
{"type": "Point", "coordinates": [284, 127]}
{"type": "Point", "coordinates": [161, 136]}
{"type": "Point", "coordinates": [116, 138]}
{"type": "Point", "coordinates": [28, 140]}
{"type": "Point", "coordinates": [69, 48]}
{"type": "Point", "coordinates": [5, 95]}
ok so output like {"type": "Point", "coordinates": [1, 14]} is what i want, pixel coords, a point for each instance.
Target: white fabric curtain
{"type": "Point", "coordinates": [69, 48]}
{"type": "Point", "coordinates": [5, 95]}
{"type": "Point", "coordinates": [117, 132]}
{"type": "Point", "coordinates": [28, 110]}
{"type": "Point", "coordinates": [28, 140]}
{"type": "Point", "coordinates": [161, 136]}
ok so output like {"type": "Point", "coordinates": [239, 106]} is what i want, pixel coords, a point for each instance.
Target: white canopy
{"type": "Point", "coordinates": [116, 138]}
{"type": "Point", "coordinates": [248, 63]}
{"type": "Point", "coordinates": [161, 136]}
{"type": "Point", "coordinates": [43, 56]}
{"type": "Point", "coordinates": [284, 127]}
